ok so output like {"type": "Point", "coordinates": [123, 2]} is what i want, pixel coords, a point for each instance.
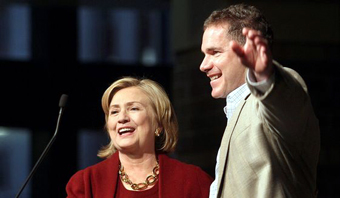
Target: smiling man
{"type": "Point", "coordinates": [271, 144]}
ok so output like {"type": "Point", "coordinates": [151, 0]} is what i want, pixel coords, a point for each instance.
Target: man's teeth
{"type": "Point", "coordinates": [214, 77]}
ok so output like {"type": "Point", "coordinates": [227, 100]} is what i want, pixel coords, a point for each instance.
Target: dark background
{"type": "Point", "coordinates": [306, 39]}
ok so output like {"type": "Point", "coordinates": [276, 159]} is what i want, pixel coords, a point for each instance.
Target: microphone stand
{"type": "Point", "coordinates": [62, 104]}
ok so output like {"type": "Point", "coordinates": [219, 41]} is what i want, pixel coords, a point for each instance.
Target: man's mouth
{"type": "Point", "coordinates": [125, 130]}
{"type": "Point", "coordinates": [214, 77]}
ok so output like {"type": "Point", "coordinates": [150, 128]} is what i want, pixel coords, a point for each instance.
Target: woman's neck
{"type": "Point", "coordinates": [137, 167]}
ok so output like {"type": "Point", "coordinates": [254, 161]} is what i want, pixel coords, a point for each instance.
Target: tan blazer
{"type": "Point", "coordinates": [270, 148]}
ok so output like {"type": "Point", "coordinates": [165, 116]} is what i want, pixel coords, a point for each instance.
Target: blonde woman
{"type": "Point", "coordinates": [142, 126]}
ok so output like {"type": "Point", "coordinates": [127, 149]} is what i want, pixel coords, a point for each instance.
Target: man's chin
{"type": "Point", "coordinates": [217, 95]}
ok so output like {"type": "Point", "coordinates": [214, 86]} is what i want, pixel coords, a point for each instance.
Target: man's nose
{"type": "Point", "coordinates": [205, 65]}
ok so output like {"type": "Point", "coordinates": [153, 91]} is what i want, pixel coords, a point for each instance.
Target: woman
{"type": "Point", "coordinates": [142, 126]}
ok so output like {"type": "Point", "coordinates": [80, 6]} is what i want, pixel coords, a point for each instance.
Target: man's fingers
{"type": "Point", "coordinates": [259, 40]}
{"type": "Point", "coordinates": [251, 33]}
{"type": "Point", "coordinates": [256, 54]}
{"type": "Point", "coordinates": [245, 31]}
{"type": "Point", "coordinates": [236, 48]}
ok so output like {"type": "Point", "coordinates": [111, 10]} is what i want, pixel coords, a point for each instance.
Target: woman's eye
{"type": "Point", "coordinates": [112, 112]}
{"type": "Point", "coordinates": [134, 108]}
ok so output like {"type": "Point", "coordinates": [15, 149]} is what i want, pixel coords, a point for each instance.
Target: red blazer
{"type": "Point", "coordinates": [176, 179]}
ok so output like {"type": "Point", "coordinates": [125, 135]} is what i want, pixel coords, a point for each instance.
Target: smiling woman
{"type": "Point", "coordinates": [142, 126]}
{"type": "Point", "coordinates": [130, 122]}
{"type": "Point", "coordinates": [157, 100]}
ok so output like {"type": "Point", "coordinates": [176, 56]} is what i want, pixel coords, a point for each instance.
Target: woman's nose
{"type": "Point", "coordinates": [123, 117]}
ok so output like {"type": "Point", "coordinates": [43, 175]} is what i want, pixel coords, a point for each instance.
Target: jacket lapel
{"type": "Point", "coordinates": [225, 143]}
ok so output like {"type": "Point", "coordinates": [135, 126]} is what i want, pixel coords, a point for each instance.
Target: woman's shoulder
{"type": "Point", "coordinates": [99, 168]}
{"type": "Point", "coordinates": [88, 171]}
{"type": "Point", "coordinates": [177, 165]}
{"type": "Point", "coordinates": [184, 177]}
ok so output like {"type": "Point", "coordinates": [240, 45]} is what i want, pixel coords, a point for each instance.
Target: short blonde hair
{"type": "Point", "coordinates": [164, 112]}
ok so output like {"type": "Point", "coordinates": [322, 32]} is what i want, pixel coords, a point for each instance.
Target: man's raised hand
{"type": "Point", "coordinates": [255, 54]}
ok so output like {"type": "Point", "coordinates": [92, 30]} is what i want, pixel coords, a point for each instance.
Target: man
{"type": "Point", "coordinates": [271, 144]}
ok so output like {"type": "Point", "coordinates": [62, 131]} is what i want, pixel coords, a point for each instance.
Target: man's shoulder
{"type": "Point", "coordinates": [288, 73]}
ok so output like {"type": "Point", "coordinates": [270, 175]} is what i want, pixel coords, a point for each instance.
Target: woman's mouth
{"type": "Point", "coordinates": [122, 131]}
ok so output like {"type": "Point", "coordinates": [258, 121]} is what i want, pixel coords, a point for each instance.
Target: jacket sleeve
{"type": "Point", "coordinates": [75, 188]}
{"type": "Point", "coordinates": [286, 106]}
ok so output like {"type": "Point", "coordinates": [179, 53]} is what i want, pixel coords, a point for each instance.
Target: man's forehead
{"type": "Point", "coordinates": [213, 36]}
{"type": "Point", "coordinates": [220, 31]}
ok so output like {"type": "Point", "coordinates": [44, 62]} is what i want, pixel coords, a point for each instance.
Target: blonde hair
{"type": "Point", "coordinates": [165, 115]}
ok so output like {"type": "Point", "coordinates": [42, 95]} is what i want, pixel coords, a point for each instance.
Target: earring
{"type": "Point", "coordinates": [157, 133]}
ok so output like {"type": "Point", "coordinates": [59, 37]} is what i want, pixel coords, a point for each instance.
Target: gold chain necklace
{"type": "Point", "coordinates": [150, 180]}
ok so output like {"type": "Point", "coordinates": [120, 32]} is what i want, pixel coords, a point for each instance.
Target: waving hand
{"type": "Point", "coordinates": [255, 54]}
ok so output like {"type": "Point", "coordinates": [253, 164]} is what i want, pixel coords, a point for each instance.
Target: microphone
{"type": "Point", "coordinates": [62, 104]}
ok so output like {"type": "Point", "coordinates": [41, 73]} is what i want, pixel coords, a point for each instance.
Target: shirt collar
{"type": "Point", "coordinates": [234, 98]}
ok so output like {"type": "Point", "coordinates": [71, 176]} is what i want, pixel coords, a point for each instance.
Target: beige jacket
{"type": "Point", "coordinates": [270, 148]}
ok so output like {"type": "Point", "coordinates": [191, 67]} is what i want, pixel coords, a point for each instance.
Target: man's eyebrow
{"type": "Point", "coordinates": [211, 49]}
